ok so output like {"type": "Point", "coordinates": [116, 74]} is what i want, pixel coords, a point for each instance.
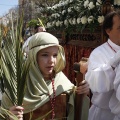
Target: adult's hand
{"type": "Point", "coordinates": [83, 87]}
{"type": "Point", "coordinates": [83, 67]}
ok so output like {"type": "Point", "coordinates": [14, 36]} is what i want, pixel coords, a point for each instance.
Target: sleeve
{"type": "Point", "coordinates": [117, 82]}
{"type": "Point", "coordinates": [114, 102]}
{"type": "Point", "coordinates": [100, 74]}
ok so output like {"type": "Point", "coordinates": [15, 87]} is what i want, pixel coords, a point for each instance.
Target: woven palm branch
{"type": "Point", "coordinates": [6, 114]}
{"type": "Point", "coordinates": [13, 67]}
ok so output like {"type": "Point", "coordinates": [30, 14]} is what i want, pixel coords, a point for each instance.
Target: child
{"type": "Point", "coordinates": [46, 81]}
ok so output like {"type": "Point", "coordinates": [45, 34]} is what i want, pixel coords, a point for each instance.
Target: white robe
{"type": "Point", "coordinates": [100, 76]}
{"type": "Point", "coordinates": [115, 99]}
{"type": "Point", "coordinates": [25, 45]}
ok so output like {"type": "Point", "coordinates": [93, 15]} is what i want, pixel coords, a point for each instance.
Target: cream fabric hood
{"type": "Point", "coordinates": [41, 41]}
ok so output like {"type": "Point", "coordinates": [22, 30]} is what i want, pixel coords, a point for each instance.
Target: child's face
{"type": "Point", "coordinates": [46, 60]}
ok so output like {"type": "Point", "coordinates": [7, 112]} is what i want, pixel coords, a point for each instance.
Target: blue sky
{"type": "Point", "coordinates": [5, 5]}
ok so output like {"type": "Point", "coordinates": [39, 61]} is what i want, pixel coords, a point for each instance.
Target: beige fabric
{"type": "Point", "coordinates": [37, 89]}
{"type": "Point", "coordinates": [43, 40]}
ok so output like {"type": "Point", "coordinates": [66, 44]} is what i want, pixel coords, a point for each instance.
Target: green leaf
{"type": "Point", "coordinates": [13, 67]}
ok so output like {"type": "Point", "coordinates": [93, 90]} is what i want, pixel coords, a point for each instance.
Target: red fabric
{"type": "Point", "coordinates": [74, 54]}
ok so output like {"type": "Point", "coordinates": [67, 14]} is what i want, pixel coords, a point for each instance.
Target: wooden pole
{"type": "Point", "coordinates": [80, 99]}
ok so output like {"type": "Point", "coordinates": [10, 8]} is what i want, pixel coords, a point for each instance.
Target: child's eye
{"type": "Point", "coordinates": [55, 55]}
{"type": "Point", "coordinates": [44, 54]}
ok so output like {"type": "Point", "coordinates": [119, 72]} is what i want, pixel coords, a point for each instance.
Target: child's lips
{"type": "Point", "coordinates": [50, 67]}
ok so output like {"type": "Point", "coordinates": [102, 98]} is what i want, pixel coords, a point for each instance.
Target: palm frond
{"type": "Point", "coordinates": [6, 114]}
{"type": "Point", "coordinates": [13, 67]}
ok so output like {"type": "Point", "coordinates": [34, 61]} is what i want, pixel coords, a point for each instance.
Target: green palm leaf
{"type": "Point", "coordinates": [7, 114]}
{"type": "Point", "coordinates": [13, 67]}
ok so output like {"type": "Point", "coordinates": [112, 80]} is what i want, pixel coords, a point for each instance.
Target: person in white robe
{"type": "Point", "coordinates": [101, 69]}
